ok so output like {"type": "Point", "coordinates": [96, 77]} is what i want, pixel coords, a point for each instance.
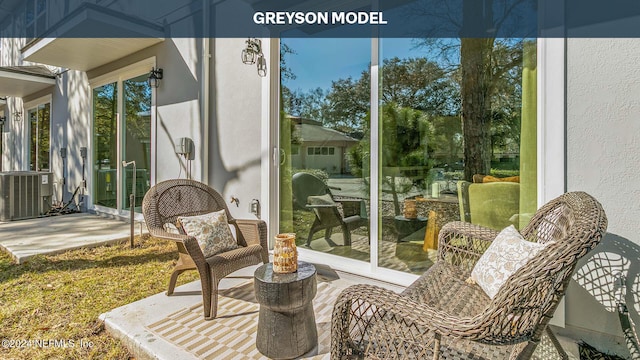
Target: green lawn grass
{"type": "Point", "coordinates": [54, 301]}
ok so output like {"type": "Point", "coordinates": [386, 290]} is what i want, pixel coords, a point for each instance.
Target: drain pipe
{"type": "Point", "coordinates": [132, 197]}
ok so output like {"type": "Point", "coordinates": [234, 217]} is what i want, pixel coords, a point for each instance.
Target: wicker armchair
{"type": "Point", "coordinates": [167, 200]}
{"type": "Point", "coordinates": [443, 316]}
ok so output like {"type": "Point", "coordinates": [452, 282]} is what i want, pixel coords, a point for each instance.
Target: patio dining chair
{"type": "Point", "coordinates": [168, 200]}
{"type": "Point", "coordinates": [444, 315]}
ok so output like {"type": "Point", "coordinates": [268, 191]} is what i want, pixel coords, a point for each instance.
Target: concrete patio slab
{"type": "Point", "coordinates": [55, 234]}
{"type": "Point", "coordinates": [130, 323]}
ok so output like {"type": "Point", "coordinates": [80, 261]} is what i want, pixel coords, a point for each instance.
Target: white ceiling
{"type": "Point", "coordinates": [19, 84]}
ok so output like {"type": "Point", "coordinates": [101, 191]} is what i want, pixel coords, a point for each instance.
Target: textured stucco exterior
{"type": "Point", "coordinates": [603, 159]}
{"type": "Point", "coordinates": [232, 163]}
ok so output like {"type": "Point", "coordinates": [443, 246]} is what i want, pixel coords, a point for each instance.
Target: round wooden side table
{"type": "Point", "coordinates": [287, 323]}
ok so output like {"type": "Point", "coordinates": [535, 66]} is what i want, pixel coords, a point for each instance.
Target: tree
{"type": "Point", "coordinates": [311, 104]}
{"type": "Point", "coordinates": [348, 103]}
{"type": "Point", "coordinates": [486, 67]}
{"type": "Point", "coordinates": [415, 83]}
{"type": "Point", "coordinates": [405, 151]}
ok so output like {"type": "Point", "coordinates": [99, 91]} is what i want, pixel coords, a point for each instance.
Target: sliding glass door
{"type": "Point", "coordinates": [122, 132]}
{"type": "Point", "coordinates": [324, 121]}
{"type": "Point", "coordinates": [39, 137]}
{"type": "Point", "coordinates": [136, 139]}
{"type": "Point", "coordinates": [105, 148]}
{"type": "Point", "coordinates": [455, 139]}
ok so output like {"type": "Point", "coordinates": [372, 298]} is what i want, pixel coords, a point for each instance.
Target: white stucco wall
{"type": "Point", "coordinates": [70, 129]}
{"type": "Point", "coordinates": [235, 126]}
{"type": "Point", "coordinates": [603, 159]}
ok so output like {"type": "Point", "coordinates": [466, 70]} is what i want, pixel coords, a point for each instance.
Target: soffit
{"type": "Point", "coordinates": [75, 43]}
{"type": "Point", "coordinates": [20, 81]}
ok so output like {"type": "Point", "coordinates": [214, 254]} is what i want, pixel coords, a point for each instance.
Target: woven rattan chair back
{"type": "Point", "coordinates": [571, 225]}
{"type": "Point", "coordinates": [443, 315]}
{"type": "Point", "coordinates": [167, 200]}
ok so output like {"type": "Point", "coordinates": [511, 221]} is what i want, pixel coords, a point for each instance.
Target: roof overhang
{"type": "Point", "coordinates": [73, 42]}
{"type": "Point", "coordinates": [18, 83]}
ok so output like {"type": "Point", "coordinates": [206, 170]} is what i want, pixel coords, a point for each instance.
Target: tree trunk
{"type": "Point", "coordinates": [476, 105]}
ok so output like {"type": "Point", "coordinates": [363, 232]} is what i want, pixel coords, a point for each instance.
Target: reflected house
{"type": "Point", "coordinates": [97, 111]}
{"type": "Point", "coordinates": [320, 147]}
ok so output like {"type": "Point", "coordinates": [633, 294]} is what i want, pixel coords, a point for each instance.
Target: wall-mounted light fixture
{"type": "Point", "coordinates": [3, 119]}
{"type": "Point", "coordinates": [154, 77]}
{"type": "Point", "coordinates": [252, 54]}
{"type": "Point", "coordinates": [17, 116]}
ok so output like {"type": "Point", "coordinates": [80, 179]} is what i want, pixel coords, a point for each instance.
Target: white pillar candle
{"type": "Point", "coordinates": [435, 190]}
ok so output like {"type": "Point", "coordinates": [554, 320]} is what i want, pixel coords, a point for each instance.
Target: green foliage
{"type": "Point", "coordinates": [433, 85]}
{"type": "Point", "coordinates": [405, 150]}
{"type": "Point", "coordinates": [504, 173]}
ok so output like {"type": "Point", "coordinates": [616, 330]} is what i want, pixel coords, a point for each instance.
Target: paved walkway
{"type": "Point", "coordinates": [55, 234]}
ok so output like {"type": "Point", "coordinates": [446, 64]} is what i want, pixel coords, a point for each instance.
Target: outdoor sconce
{"type": "Point", "coordinates": [252, 54]}
{"type": "Point", "coordinates": [17, 116]}
{"type": "Point", "coordinates": [154, 77]}
{"type": "Point", "coordinates": [2, 121]}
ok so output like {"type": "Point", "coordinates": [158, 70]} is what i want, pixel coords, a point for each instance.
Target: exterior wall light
{"type": "Point", "coordinates": [252, 54]}
{"type": "Point", "coordinates": [154, 77]}
{"type": "Point", "coordinates": [17, 116]}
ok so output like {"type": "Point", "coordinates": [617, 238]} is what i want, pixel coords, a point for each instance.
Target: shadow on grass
{"type": "Point", "coordinates": [101, 257]}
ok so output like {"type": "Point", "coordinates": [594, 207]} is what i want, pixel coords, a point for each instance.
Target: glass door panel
{"type": "Point", "coordinates": [32, 115]}
{"type": "Point", "coordinates": [39, 135]}
{"type": "Point", "coordinates": [105, 149]}
{"type": "Point", "coordinates": [136, 139]}
{"type": "Point", "coordinates": [324, 135]}
{"type": "Point", "coordinates": [439, 147]}
{"type": "Point", "coordinates": [44, 134]}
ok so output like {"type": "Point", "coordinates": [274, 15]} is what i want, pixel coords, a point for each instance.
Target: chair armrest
{"type": "Point", "coordinates": [373, 312]}
{"type": "Point", "coordinates": [320, 206]}
{"type": "Point", "coordinates": [462, 243]}
{"type": "Point", "coordinates": [254, 231]}
{"type": "Point", "coordinates": [348, 201]}
{"type": "Point", "coordinates": [190, 244]}
{"type": "Point", "coordinates": [163, 234]}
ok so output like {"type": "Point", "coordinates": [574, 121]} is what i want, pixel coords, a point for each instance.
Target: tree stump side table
{"type": "Point", "coordinates": [406, 227]}
{"type": "Point", "coordinates": [286, 324]}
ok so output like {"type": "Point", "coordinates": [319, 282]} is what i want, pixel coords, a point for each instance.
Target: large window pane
{"type": "Point", "coordinates": [44, 134]}
{"type": "Point", "coordinates": [105, 149]}
{"type": "Point", "coordinates": [137, 137]}
{"type": "Point", "coordinates": [454, 115]}
{"type": "Point", "coordinates": [325, 94]}
{"type": "Point", "coordinates": [33, 138]}
{"type": "Point", "coordinates": [457, 139]}
{"type": "Point", "coordinates": [39, 131]}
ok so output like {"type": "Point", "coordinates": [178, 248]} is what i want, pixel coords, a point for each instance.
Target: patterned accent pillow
{"type": "Point", "coordinates": [211, 230]}
{"type": "Point", "coordinates": [508, 252]}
